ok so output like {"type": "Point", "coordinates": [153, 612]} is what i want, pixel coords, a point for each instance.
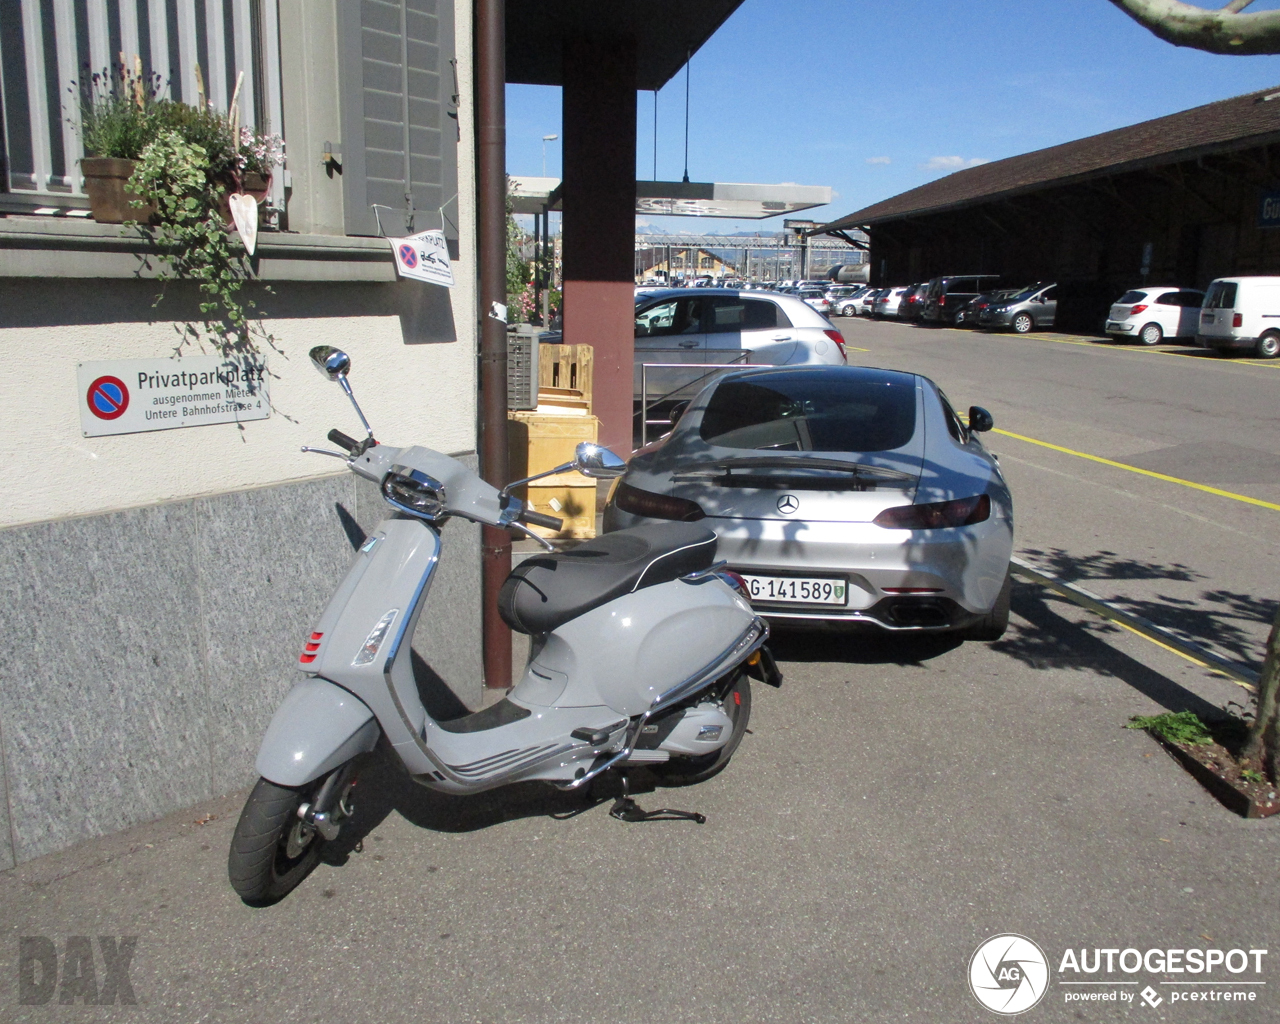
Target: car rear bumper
{"type": "Point", "coordinates": [1118, 327]}
{"type": "Point", "coordinates": [962, 569]}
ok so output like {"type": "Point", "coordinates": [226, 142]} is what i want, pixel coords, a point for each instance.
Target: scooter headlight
{"type": "Point", "coordinates": [414, 492]}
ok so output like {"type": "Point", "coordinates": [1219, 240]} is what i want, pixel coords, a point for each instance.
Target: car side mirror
{"type": "Point", "coordinates": [980, 421]}
{"type": "Point", "coordinates": [677, 411]}
{"type": "Point", "coordinates": [597, 462]}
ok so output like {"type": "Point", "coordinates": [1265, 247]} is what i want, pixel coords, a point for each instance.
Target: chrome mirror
{"type": "Point", "coordinates": [597, 462]}
{"type": "Point", "coordinates": [334, 364]}
{"type": "Point", "coordinates": [330, 361]}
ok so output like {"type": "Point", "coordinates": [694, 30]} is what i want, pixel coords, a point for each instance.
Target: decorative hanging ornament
{"type": "Point", "coordinates": [244, 211]}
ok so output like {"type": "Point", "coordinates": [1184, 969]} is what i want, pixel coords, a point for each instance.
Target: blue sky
{"type": "Point", "coordinates": [874, 97]}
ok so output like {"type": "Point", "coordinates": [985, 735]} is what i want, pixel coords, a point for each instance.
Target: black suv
{"type": "Point", "coordinates": [947, 295]}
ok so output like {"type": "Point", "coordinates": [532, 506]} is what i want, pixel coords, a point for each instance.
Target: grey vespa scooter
{"type": "Point", "coordinates": [640, 650]}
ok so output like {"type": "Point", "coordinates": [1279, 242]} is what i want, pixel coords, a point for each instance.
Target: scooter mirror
{"type": "Point", "coordinates": [330, 361]}
{"type": "Point", "coordinates": [597, 462]}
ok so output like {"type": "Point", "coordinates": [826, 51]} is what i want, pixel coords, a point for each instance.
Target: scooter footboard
{"type": "Point", "coordinates": [317, 727]}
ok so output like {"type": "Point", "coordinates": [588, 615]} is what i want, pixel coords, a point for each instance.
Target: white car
{"type": "Point", "coordinates": [864, 304]}
{"type": "Point", "coordinates": [1242, 312]}
{"type": "Point", "coordinates": [775, 329]}
{"type": "Point", "coordinates": [888, 301]}
{"type": "Point", "coordinates": [1153, 314]}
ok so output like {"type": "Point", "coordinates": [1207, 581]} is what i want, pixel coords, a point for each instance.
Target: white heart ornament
{"type": "Point", "coordinates": [244, 211]}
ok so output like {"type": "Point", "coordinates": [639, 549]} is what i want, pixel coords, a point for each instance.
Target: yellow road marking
{"type": "Point", "coordinates": [1144, 472]}
{"type": "Point", "coordinates": [1174, 650]}
{"type": "Point", "coordinates": [854, 348]}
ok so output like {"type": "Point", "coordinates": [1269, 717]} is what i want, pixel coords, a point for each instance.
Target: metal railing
{"type": "Point", "coordinates": [645, 405]}
{"type": "Point", "coordinates": [54, 48]}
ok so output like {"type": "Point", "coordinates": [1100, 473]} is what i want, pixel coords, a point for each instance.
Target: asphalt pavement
{"type": "Point", "coordinates": [895, 804]}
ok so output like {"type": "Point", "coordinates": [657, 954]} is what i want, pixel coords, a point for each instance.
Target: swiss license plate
{"type": "Point", "coordinates": [798, 589]}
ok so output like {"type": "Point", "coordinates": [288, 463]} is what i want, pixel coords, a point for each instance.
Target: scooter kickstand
{"type": "Point", "coordinates": [626, 809]}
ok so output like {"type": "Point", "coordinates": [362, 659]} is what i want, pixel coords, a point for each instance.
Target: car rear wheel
{"type": "Point", "coordinates": [1151, 334]}
{"type": "Point", "coordinates": [1268, 346]}
{"type": "Point", "coordinates": [1022, 323]}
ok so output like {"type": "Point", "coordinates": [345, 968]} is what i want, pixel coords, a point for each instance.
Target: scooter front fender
{"type": "Point", "coordinates": [318, 727]}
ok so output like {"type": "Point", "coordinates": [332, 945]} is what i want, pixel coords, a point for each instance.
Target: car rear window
{"type": "Point", "coordinates": [729, 315]}
{"type": "Point", "coordinates": [1129, 298]}
{"type": "Point", "coordinates": [1221, 295]}
{"type": "Point", "coordinates": [827, 410]}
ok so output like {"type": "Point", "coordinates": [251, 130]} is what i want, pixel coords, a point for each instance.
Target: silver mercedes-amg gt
{"type": "Point", "coordinates": [841, 494]}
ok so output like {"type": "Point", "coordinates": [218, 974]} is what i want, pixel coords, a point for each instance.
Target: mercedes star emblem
{"type": "Point", "coordinates": [788, 504]}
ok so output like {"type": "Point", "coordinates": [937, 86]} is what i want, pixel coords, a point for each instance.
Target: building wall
{"type": "Point", "coordinates": [155, 588]}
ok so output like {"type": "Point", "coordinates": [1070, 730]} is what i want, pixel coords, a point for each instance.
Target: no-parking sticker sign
{"type": "Point", "coordinates": [423, 257]}
{"type": "Point", "coordinates": [127, 396]}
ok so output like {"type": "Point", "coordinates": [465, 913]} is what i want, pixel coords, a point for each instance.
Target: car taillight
{"type": "Point", "coordinates": [310, 648]}
{"type": "Point", "coordinates": [838, 338]}
{"type": "Point", "coordinates": [1137, 309]}
{"type": "Point", "coordinates": [1237, 320]}
{"type": "Point", "coordinates": [942, 300]}
{"type": "Point", "coordinates": [936, 516]}
{"type": "Point", "coordinates": [656, 506]}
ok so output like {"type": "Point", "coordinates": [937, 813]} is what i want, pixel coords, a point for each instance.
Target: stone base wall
{"type": "Point", "coordinates": [146, 650]}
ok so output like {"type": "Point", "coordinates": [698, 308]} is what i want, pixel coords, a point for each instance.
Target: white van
{"type": "Point", "coordinates": [1242, 312]}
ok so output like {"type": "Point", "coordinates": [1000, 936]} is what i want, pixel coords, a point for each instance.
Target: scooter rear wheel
{"type": "Point", "coordinates": [687, 771]}
{"type": "Point", "coordinates": [272, 849]}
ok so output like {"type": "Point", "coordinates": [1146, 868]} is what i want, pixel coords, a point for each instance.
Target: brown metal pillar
{"type": "Point", "coordinates": [599, 221]}
{"type": "Point", "coordinates": [491, 192]}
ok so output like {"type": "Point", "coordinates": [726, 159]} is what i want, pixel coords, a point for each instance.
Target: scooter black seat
{"type": "Point", "coordinates": [548, 590]}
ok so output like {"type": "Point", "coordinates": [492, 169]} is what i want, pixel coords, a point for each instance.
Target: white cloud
{"type": "Point", "coordinates": [952, 163]}
{"type": "Point", "coordinates": [879, 160]}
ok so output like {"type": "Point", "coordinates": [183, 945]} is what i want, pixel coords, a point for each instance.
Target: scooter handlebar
{"type": "Point", "coordinates": [343, 441]}
{"type": "Point", "coordinates": [538, 519]}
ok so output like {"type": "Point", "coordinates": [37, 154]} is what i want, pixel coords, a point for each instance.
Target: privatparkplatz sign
{"type": "Point", "coordinates": [127, 396]}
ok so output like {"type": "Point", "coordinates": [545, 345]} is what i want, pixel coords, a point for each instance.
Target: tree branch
{"type": "Point", "coordinates": [1223, 31]}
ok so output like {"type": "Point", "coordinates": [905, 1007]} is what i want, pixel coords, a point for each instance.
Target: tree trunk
{"type": "Point", "coordinates": [1264, 737]}
{"type": "Point", "coordinates": [1222, 31]}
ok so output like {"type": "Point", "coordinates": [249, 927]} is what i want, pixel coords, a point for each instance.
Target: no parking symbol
{"type": "Point", "coordinates": [108, 398]}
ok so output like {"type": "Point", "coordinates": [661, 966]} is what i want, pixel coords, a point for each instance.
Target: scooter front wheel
{"type": "Point", "coordinates": [687, 771]}
{"type": "Point", "coordinates": [273, 849]}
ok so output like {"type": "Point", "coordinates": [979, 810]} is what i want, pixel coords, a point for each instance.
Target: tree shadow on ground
{"type": "Point", "coordinates": [1055, 642]}
{"type": "Point", "coordinates": [1219, 619]}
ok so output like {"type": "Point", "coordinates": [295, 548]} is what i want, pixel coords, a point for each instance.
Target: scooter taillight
{"type": "Point", "coordinates": [310, 649]}
{"type": "Point", "coordinates": [737, 582]}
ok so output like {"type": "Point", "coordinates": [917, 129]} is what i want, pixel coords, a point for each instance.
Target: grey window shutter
{"type": "Point", "coordinates": [399, 132]}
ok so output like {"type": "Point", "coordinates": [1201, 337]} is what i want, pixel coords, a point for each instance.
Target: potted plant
{"type": "Point", "coordinates": [117, 121]}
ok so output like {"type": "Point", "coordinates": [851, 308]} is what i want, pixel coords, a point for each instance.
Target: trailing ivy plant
{"type": "Point", "coordinates": [194, 243]}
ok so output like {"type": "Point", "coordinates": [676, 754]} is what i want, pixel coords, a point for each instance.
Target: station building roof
{"type": "Point", "coordinates": [1242, 122]}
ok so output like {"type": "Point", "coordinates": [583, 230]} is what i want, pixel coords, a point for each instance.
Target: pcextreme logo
{"type": "Point", "coordinates": [1009, 974]}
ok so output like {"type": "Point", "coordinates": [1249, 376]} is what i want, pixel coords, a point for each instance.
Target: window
{"type": "Point", "coordinates": [813, 411]}
{"type": "Point", "coordinates": [954, 425]}
{"type": "Point", "coordinates": [729, 315]}
{"type": "Point", "coordinates": [1051, 294]}
{"type": "Point", "coordinates": [1128, 298]}
{"type": "Point", "coordinates": [1191, 299]}
{"type": "Point", "coordinates": [1170, 299]}
{"type": "Point", "coordinates": [1221, 295]}
{"type": "Point", "coordinates": [675, 316]}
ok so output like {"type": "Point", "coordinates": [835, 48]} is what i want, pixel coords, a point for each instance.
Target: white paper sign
{"type": "Point", "coordinates": [127, 396]}
{"type": "Point", "coordinates": [244, 211]}
{"type": "Point", "coordinates": [423, 257]}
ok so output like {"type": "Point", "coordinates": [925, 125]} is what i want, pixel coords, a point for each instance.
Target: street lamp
{"type": "Point", "coordinates": [545, 140]}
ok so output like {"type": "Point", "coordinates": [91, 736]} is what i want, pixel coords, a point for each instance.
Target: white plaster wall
{"type": "Point", "coordinates": [420, 394]}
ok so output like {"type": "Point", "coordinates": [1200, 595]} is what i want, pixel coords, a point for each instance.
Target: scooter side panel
{"type": "Point", "coordinates": [317, 727]}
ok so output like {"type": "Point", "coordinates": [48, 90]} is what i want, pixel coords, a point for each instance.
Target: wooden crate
{"type": "Point", "coordinates": [566, 366]}
{"type": "Point", "coordinates": [537, 442]}
{"type": "Point", "coordinates": [567, 496]}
